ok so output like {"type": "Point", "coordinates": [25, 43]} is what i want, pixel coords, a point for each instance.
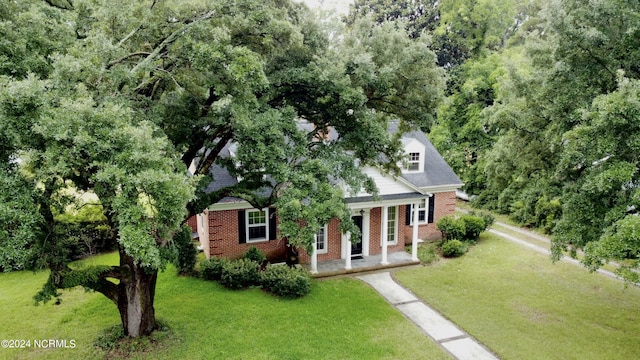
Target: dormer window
{"type": "Point", "coordinates": [415, 156]}
{"type": "Point", "coordinates": [414, 162]}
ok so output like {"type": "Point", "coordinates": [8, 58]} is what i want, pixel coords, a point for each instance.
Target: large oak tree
{"type": "Point", "coordinates": [129, 94]}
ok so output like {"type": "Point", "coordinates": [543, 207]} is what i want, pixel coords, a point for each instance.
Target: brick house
{"type": "Point", "coordinates": [406, 210]}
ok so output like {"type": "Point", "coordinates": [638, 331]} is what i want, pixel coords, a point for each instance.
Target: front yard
{"type": "Point", "coordinates": [340, 319]}
{"type": "Point", "coordinates": [522, 306]}
{"type": "Point", "coordinates": [510, 298]}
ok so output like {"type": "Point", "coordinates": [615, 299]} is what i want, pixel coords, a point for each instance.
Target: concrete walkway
{"type": "Point", "coordinates": [444, 332]}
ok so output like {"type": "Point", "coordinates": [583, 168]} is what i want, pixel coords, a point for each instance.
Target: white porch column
{"type": "Point", "coordinates": [347, 265]}
{"type": "Point", "coordinates": [314, 255]}
{"type": "Point", "coordinates": [384, 235]}
{"type": "Point", "coordinates": [414, 238]}
{"type": "Point", "coordinates": [366, 234]}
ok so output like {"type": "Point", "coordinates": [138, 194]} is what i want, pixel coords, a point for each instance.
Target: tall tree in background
{"type": "Point", "coordinates": [134, 92]}
{"type": "Point", "coordinates": [568, 124]}
{"type": "Point", "coordinates": [420, 17]}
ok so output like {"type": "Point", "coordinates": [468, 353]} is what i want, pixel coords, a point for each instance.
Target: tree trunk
{"type": "Point", "coordinates": [136, 293]}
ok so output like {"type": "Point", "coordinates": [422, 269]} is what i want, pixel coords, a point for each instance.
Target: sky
{"type": "Point", "coordinates": [340, 6]}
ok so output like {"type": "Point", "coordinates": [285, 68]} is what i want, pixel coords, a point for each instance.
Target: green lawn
{"type": "Point", "coordinates": [340, 319]}
{"type": "Point", "coordinates": [522, 306]}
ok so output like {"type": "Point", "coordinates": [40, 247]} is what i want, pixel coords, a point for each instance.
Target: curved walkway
{"type": "Point", "coordinates": [457, 342]}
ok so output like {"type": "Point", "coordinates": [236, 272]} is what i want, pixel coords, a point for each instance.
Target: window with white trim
{"type": "Point", "coordinates": [392, 225]}
{"type": "Point", "coordinates": [414, 162]}
{"type": "Point", "coordinates": [321, 240]}
{"type": "Point", "coordinates": [257, 225]}
{"type": "Point", "coordinates": [422, 212]}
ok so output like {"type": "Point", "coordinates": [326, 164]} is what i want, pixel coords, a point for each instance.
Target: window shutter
{"type": "Point", "coordinates": [432, 204]}
{"type": "Point", "coordinates": [408, 214]}
{"type": "Point", "coordinates": [272, 223]}
{"type": "Point", "coordinates": [242, 227]}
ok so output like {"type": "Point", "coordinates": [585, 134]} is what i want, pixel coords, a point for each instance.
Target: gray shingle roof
{"type": "Point", "coordinates": [437, 171]}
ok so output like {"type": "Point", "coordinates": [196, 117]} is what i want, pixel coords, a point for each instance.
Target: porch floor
{"type": "Point", "coordinates": [367, 263]}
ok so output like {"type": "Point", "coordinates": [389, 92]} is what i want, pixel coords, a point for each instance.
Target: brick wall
{"type": "Point", "coordinates": [445, 205]}
{"type": "Point", "coordinates": [192, 222]}
{"type": "Point", "coordinates": [224, 241]}
{"type": "Point", "coordinates": [375, 232]}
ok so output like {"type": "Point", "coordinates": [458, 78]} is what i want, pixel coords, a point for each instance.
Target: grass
{"type": "Point", "coordinates": [427, 252]}
{"type": "Point", "coordinates": [522, 306]}
{"type": "Point", "coordinates": [340, 319]}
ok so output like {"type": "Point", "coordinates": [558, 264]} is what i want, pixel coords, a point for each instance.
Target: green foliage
{"type": "Point", "coordinates": [185, 256]}
{"type": "Point", "coordinates": [466, 227]}
{"type": "Point", "coordinates": [86, 277]}
{"type": "Point", "coordinates": [418, 15]}
{"type": "Point", "coordinates": [254, 313]}
{"type": "Point", "coordinates": [110, 338]}
{"type": "Point", "coordinates": [286, 281]}
{"type": "Point", "coordinates": [478, 25]}
{"type": "Point", "coordinates": [114, 341]}
{"type": "Point", "coordinates": [211, 268]}
{"type": "Point", "coordinates": [478, 292]}
{"type": "Point", "coordinates": [559, 163]}
{"type": "Point", "coordinates": [85, 231]}
{"type": "Point", "coordinates": [451, 227]}
{"type": "Point", "coordinates": [254, 254]}
{"type": "Point", "coordinates": [473, 226]}
{"type": "Point", "coordinates": [462, 134]}
{"type": "Point", "coordinates": [240, 274]}
{"type": "Point", "coordinates": [20, 221]}
{"type": "Point", "coordinates": [453, 248]}
{"type": "Point", "coordinates": [486, 216]}
{"type": "Point", "coordinates": [428, 253]}
{"type": "Point", "coordinates": [620, 242]}
{"type": "Point", "coordinates": [27, 45]}
{"type": "Point", "coordinates": [121, 101]}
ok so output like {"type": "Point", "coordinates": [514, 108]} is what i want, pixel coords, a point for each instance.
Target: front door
{"type": "Point", "coordinates": [356, 246]}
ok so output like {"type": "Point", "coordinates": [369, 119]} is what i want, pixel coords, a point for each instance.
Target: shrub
{"type": "Point", "coordinates": [286, 281]}
{"type": "Point", "coordinates": [488, 218]}
{"type": "Point", "coordinates": [453, 248]}
{"type": "Point", "coordinates": [451, 228]}
{"type": "Point", "coordinates": [85, 238]}
{"type": "Point", "coordinates": [211, 269]}
{"type": "Point", "coordinates": [473, 226]}
{"type": "Point", "coordinates": [185, 257]}
{"type": "Point", "coordinates": [239, 274]}
{"type": "Point", "coordinates": [254, 254]}
{"type": "Point", "coordinates": [427, 253]}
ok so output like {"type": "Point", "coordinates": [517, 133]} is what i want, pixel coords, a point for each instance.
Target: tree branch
{"type": "Point", "coordinates": [205, 164]}
{"type": "Point", "coordinates": [64, 5]}
{"type": "Point", "coordinates": [139, 53]}
{"type": "Point", "coordinates": [171, 38]}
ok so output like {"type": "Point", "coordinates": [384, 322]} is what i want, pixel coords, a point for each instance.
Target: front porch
{"type": "Point", "coordinates": [366, 263]}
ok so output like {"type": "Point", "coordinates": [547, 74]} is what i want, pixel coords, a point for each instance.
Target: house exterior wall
{"type": "Point", "coordinates": [375, 231]}
{"type": "Point", "coordinates": [386, 184]}
{"type": "Point", "coordinates": [192, 222]}
{"type": "Point", "coordinates": [223, 233]}
{"type": "Point", "coordinates": [224, 238]}
{"type": "Point", "coordinates": [445, 204]}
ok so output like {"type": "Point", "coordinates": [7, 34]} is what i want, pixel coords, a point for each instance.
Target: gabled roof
{"type": "Point", "coordinates": [437, 174]}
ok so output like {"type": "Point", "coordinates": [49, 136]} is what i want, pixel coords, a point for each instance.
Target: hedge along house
{"type": "Point", "coordinates": [404, 212]}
